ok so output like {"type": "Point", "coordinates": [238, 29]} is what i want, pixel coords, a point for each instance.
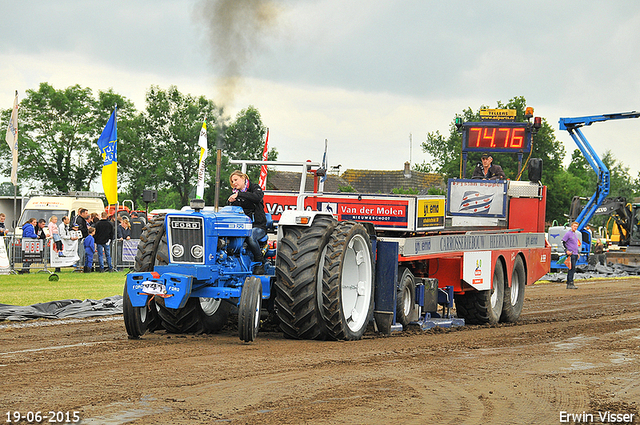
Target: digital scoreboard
{"type": "Point", "coordinates": [498, 132]}
{"type": "Point", "coordinates": [498, 136]}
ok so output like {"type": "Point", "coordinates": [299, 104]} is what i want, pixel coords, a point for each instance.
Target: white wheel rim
{"type": "Point", "coordinates": [406, 307]}
{"type": "Point", "coordinates": [515, 288]}
{"type": "Point", "coordinates": [143, 314]}
{"type": "Point", "coordinates": [356, 282]}
{"type": "Point", "coordinates": [210, 305]}
{"type": "Point", "coordinates": [256, 320]}
{"type": "Point", "coordinates": [494, 297]}
{"type": "Point", "coordinates": [494, 293]}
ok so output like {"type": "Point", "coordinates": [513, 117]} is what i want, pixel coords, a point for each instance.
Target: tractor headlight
{"type": "Point", "coordinates": [177, 250]}
{"type": "Point", "coordinates": [197, 251]}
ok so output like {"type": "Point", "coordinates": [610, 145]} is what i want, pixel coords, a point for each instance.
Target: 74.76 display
{"type": "Point", "coordinates": [497, 137]}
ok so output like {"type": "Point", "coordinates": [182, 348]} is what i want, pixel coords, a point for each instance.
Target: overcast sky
{"type": "Point", "coordinates": [363, 74]}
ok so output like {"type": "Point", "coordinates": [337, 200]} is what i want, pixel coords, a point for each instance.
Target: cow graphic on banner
{"type": "Point", "coordinates": [477, 198]}
{"type": "Point", "coordinates": [476, 202]}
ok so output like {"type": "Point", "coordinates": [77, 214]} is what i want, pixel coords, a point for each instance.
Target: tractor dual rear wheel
{"type": "Point", "coordinates": [348, 282]}
{"type": "Point", "coordinates": [298, 288]}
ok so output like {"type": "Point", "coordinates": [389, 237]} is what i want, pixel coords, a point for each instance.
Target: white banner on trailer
{"type": "Point", "coordinates": [477, 198]}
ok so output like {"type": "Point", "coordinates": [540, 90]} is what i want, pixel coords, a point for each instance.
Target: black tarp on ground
{"type": "Point", "coordinates": [63, 309]}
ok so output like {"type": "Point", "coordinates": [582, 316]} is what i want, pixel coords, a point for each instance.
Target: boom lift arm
{"type": "Point", "coordinates": [572, 125]}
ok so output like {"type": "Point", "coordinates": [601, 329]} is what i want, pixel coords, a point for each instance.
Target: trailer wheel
{"type": "Point", "coordinates": [138, 320]}
{"type": "Point", "coordinates": [514, 295]}
{"type": "Point", "coordinates": [199, 315]}
{"type": "Point", "coordinates": [249, 309]}
{"type": "Point", "coordinates": [482, 307]}
{"type": "Point", "coordinates": [347, 282]}
{"type": "Point", "coordinates": [298, 279]}
{"type": "Point", "coordinates": [405, 296]}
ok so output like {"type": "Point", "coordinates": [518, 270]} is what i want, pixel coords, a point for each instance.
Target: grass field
{"type": "Point", "coordinates": [33, 288]}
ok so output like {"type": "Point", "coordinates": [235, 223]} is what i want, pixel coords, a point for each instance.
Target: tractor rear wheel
{"type": "Point", "coordinates": [347, 282]}
{"type": "Point", "coordinates": [298, 290]}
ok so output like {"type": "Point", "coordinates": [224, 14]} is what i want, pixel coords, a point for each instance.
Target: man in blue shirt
{"type": "Point", "coordinates": [572, 241]}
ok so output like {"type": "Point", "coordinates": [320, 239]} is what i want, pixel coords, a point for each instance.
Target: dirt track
{"type": "Point", "coordinates": [573, 351]}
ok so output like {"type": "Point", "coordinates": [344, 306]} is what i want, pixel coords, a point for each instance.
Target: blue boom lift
{"type": "Point", "coordinates": [573, 125]}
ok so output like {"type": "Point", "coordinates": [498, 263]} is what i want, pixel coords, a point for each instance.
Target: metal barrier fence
{"type": "Point", "coordinates": [26, 254]}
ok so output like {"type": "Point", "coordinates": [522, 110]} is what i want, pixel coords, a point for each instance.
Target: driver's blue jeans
{"type": "Point", "coordinates": [253, 244]}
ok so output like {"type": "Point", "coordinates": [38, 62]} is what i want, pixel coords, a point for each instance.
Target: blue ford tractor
{"type": "Point", "coordinates": [191, 267]}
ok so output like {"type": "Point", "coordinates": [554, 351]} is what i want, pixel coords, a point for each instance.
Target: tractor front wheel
{"type": "Point", "coordinates": [249, 309]}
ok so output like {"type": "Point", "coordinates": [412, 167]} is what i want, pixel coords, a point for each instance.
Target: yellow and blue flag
{"type": "Point", "coordinates": [108, 144]}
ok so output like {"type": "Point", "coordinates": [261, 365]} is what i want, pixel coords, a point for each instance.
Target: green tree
{"type": "Point", "coordinates": [446, 152]}
{"type": "Point", "coordinates": [135, 170]}
{"type": "Point", "coordinates": [403, 191]}
{"type": "Point", "coordinates": [7, 189]}
{"type": "Point", "coordinates": [580, 168]}
{"type": "Point", "coordinates": [562, 186]}
{"type": "Point", "coordinates": [58, 134]}
{"type": "Point", "coordinates": [157, 149]}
